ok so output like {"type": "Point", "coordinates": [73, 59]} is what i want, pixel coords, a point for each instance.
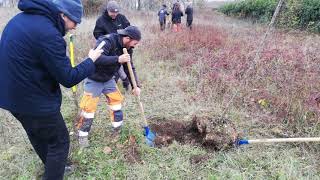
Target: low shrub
{"type": "Point", "coordinates": [295, 14]}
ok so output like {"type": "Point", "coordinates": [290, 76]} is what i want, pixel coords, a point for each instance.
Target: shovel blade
{"type": "Point", "coordinates": [150, 136]}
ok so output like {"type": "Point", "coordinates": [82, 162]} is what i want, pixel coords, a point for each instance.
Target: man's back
{"type": "Point", "coordinates": [107, 65]}
{"type": "Point", "coordinates": [21, 67]}
{"type": "Point", "coordinates": [162, 14]}
{"type": "Point", "coordinates": [33, 60]}
{"type": "Point", "coordinates": [189, 12]}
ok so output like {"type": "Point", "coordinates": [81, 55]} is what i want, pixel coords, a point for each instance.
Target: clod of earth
{"type": "Point", "coordinates": [210, 132]}
{"type": "Point", "coordinates": [107, 150]}
{"type": "Point", "coordinates": [132, 153]}
{"type": "Point", "coordinates": [197, 159]}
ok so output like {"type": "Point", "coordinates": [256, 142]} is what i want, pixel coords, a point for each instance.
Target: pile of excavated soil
{"type": "Point", "coordinates": [209, 132]}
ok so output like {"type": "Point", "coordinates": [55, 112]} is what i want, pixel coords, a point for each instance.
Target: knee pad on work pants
{"type": "Point", "coordinates": [88, 106]}
{"type": "Point", "coordinates": [114, 101]}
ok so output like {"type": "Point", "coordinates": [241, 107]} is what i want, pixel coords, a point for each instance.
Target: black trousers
{"type": "Point", "coordinates": [50, 139]}
{"type": "Point", "coordinates": [189, 24]}
{"type": "Point", "coordinates": [162, 25]}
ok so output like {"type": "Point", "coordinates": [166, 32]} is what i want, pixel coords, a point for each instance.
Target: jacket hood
{"type": "Point", "coordinates": [104, 9]}
{"type": "Point", "coordinates": [45, 8]}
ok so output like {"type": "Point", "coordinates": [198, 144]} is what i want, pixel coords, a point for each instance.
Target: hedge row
{"type": "Point", "coordinates": [297, 14]}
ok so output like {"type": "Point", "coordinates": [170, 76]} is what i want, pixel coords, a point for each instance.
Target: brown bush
{"type": "Point", "coordinates": [92, 7]}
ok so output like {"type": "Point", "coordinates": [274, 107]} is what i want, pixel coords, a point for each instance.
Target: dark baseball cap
{"type": "Point", "coordinates": [132, 31]}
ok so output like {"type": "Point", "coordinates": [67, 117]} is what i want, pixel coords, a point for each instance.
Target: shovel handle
{"type": "Point", "coordinates": [133, 79]}
{"type": "Point", "coordinates": [279, 140]}
{"type": "Point", "coordinates": [71, 49]}
{"type": "Point", "coordinates": [134, 83]}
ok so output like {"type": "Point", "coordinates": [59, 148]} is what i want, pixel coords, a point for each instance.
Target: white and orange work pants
{"type": "Point", "coordinates": [89, 102]}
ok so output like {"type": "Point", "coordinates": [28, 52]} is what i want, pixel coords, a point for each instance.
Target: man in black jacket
{"type": "Point", "coordinates": [102, 81]}
{"type": "Point", "coordinates": [109, 22]}
{"type": "Point", "coordinates": [189, 13]}
{"type": "Point", "coordinates": [33, 64]}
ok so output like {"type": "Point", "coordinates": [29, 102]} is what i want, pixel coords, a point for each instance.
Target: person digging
{"type": "Point", "coordinates": [109, 22]}
{"type": "Point", "coordinates": [103, 81]}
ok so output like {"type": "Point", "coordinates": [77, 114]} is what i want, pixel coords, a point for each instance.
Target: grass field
{"type": "Point", "coordinates": [196, 72]}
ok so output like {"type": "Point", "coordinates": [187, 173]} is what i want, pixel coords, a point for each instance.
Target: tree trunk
{"type": "Point", "coordinates": [139, 5]}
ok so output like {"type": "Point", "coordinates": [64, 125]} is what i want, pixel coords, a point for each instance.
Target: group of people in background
{"type": "Point", "coordinates": [177, 12]}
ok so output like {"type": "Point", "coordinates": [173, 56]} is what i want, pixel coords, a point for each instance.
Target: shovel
{"type": "Point", "coordinates": [74, 88]}
{"type": "Point", "coordinates": [71, 49]}
{"type": "Point", "coordinates": [150, 136]}
{"type": "Point", "coordinates": [276, 140]}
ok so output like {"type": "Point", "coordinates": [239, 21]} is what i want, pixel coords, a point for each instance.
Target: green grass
{"type": "Point", "coordinates": [163, 98]}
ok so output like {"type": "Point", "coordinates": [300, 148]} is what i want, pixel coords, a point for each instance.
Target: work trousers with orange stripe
{"type": "Point", "coordinates": [89, 102]}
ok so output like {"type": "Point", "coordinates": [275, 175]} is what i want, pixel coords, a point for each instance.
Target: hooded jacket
{"type": "Point", "coordinates": [162, 14]}
{"type": "Point", "coordinates": [176, 16]}
{"type": "Point", "coordinates": [33, 60]}
{"type": "Point", "coordinates": [106, 25]}
{"type": "Point", "coordinates": [107, 64]}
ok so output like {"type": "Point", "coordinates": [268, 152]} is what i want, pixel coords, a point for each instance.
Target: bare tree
{"type": "Point", "coordinates": [138, 5]}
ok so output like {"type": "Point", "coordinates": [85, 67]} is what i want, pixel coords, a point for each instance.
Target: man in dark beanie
{"type": "Point", "coordinates": [102, 81]}
{"type": "Point", "coordinates": [33, 64]}
{"type": "Point", "coordinates": [109, 22]}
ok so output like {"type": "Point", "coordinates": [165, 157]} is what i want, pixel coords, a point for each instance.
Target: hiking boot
{"type": "Point", "coordinates": [83, 142]}
{"type": "Point", "coordinates": [69, 169]}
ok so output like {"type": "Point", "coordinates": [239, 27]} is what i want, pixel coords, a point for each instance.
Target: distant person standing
{"type": "Point", "coordinates": [189, 13]}
{"type": "Point", "coordinates": [176, 17]}
{"type": "Point", "coordinates": [109, 22]}
{"type": "Point", "coordinates": [163, 13]}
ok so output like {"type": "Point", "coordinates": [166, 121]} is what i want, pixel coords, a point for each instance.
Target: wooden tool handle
{"type": "Point", "coordinates": [133, 79]}
{"type": "Point", "coordinates": [134, 83]}
{"type": "Point", "coordinates": [276, 140]}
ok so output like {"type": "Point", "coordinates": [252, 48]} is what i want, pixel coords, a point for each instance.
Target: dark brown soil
{"type": "Point", "coordinates": [197, 159]}
{"type": "Point", "coordinates": [209, 132]}
{"type": "Point", "coordinates": [132, 153]}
